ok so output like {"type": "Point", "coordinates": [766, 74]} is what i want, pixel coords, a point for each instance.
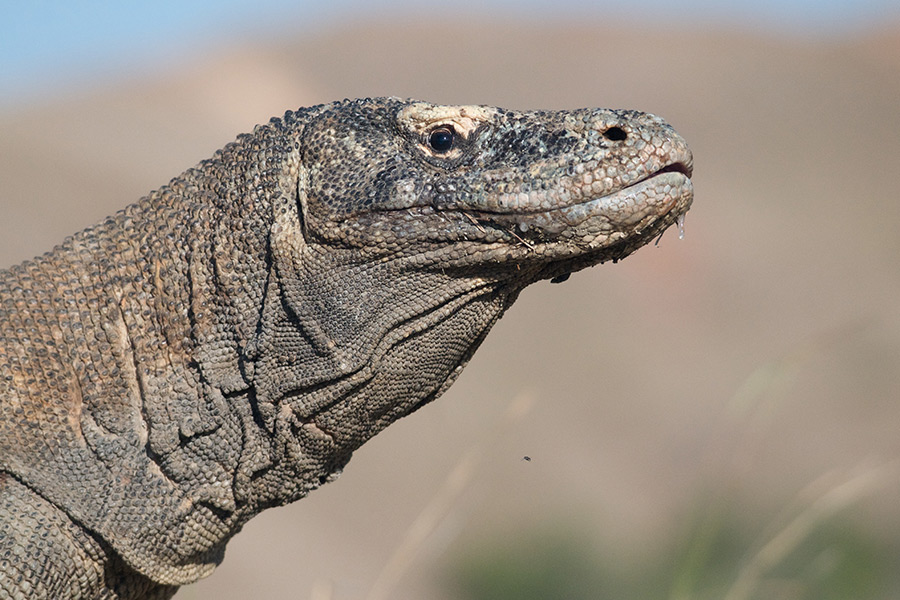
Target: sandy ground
{"type": "Point", "coordinates": [757, 356]}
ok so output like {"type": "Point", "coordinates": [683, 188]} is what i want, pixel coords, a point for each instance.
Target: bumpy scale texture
{"type": "Point", "coordinates": [225, 344]}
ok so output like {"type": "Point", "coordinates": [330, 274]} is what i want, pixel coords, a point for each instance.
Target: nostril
{"type": "Point", "coordinates": [615, 134]}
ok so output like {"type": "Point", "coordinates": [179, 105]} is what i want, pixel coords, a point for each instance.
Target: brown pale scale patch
{"type": "Point", "coordinates": [422, 118]}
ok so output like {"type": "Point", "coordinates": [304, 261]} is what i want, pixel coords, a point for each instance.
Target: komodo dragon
{"type": "Point", "coordinates": [223, 345]}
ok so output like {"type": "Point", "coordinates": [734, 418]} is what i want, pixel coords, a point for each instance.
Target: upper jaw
{"type": "Point", "coordinates": [593, 204]}
{"type": "Point", "coordinates": [569, 181]}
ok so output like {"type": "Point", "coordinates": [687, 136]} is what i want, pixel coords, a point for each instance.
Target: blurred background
{"type": "Point", "coordinates": [715, 417]}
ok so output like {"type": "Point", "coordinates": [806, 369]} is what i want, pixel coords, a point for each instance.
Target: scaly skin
{"type": "Point", "coordinates": [226, 343]}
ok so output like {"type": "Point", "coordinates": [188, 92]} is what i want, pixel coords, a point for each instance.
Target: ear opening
{"type": "Point", "coordinates": [288, 242]}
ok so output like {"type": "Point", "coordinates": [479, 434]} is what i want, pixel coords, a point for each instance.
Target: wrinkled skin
{"type": "Point", "coordinates": [226, 343]}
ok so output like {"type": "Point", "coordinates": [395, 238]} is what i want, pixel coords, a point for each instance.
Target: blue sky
{"type": "Point", "coordinates": [53, 43]}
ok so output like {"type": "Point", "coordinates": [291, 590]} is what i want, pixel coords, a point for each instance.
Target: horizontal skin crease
{"type": "Point", "coordinates": [224, 344]}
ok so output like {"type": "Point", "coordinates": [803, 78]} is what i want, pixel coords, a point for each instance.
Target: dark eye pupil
{"type": "Point", "coordinates": [441, 140]}
{"type": "Point", "coordinates": [615, 134]}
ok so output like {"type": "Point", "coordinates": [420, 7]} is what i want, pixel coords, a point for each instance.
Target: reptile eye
{"type": "Point", "coordinates": [441, 139]}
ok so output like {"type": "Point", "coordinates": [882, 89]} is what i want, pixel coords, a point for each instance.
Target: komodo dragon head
{"type": "Point", "coordinates": [516, 196]}
{"type": "Point", "coordinates": [414, 226]}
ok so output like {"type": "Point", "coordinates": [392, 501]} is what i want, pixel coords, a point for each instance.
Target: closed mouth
{"type": "Point", "coordinates": [678, 167]}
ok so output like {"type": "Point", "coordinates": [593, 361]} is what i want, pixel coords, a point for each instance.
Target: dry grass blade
{"type": "Point", "coordinates": [440, 505]}
{"type": "Point", "coordinates": [862, 481]}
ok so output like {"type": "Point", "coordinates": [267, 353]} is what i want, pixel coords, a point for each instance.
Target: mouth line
{"type": "Point", "coordinates": [678, 167]}
{"type": "Point", "coordinates": [657, 194]}
{"type": "Point", "coordinates": [554, 219]}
